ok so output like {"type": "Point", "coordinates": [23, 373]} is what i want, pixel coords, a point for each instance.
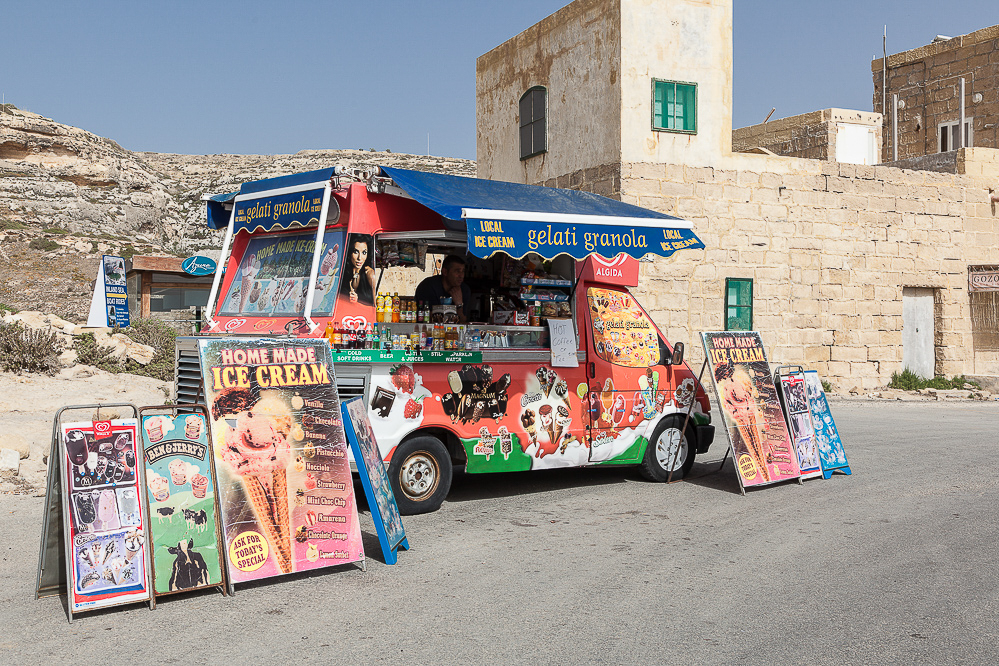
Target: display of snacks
{"type": "Point", "coordinates": [532, 294]}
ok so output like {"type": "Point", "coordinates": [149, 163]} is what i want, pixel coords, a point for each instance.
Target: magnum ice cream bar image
{"type": "Point", "coordinates": [85, 510]}
{"type": "Point", "coordinates": [76, 447]}
{"type": "Point", "coordinates": [474, 395]}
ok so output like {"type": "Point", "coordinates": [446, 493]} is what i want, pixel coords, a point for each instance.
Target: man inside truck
{"type": "Point", "coordinates": [450, 283]}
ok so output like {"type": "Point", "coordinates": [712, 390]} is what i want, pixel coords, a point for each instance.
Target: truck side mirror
{"type": "Point", "coordinates": [677, 358]}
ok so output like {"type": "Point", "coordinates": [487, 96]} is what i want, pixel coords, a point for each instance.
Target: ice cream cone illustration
{"type": "Point", "coordinates": [561, 423]}
{"type": "Point", "coordinates": [258, 450]}
{"type": "Point", "coordinates": [530, 423]}
{"type": "Point", "coordinates": [269, 496]}
{"type": "Point", "coordinates": [545, 412]}
{"type": "Point", "coordinates": [133, 543]}
{"type": "Point", "coordinates": [739, 401]}
{"type": "Point", "coordinates": [249, 272]}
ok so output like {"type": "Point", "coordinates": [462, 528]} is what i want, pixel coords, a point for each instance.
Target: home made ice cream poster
{"type": "Point", "coordinates": [181, 494]}
{"type": "Point", "coordinates": [281, 456]}
{"type": "Point", "coordinates": [106, 521]}
{"type": "Point", "coordinates": [748, 399]}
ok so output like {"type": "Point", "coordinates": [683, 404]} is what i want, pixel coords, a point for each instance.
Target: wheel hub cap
{"type": "Point", "coordinates": [419, 475]}
{"type": "Point", "coordinates": [671, 449]}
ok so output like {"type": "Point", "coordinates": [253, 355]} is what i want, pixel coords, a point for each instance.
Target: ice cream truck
{"type": "Point", "coordinates": [549, 361]}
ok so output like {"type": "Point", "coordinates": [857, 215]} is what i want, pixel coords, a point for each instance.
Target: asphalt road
{"type": "Point", "coordinates": [897, 563]}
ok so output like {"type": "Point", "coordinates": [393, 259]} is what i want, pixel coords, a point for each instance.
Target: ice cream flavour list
{"type": "Point", "coordinates": [281, 456]}
{"type": "Point", "coordinates": [747, 396]}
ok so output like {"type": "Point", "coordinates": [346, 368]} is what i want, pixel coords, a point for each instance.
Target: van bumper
{"type": "Point", "coordinates": [705, 435]}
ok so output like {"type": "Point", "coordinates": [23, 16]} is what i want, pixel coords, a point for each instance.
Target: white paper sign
{"type": "Point", "coordinates": [564, 344]}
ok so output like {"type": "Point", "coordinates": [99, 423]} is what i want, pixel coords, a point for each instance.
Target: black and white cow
{"type": "Point", "coordinates": [189, 569]}
{"type": "Point", "coordinates": [196, 519]}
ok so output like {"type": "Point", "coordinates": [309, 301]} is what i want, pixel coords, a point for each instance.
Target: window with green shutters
{"type": "Point", "coordinates": [738, 304]}
{"type": "Point", "coordinates": [674, 106]}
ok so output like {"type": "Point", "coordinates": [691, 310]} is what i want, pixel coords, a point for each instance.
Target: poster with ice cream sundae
{"type": "Point", "coordinates": [107, 525]}
{"type": "Point", "coordinates": [286, 495]}
{"type": "Point", "coordinates": [183, 530]}
{"type": "Point", "coordinates": [761, 445]}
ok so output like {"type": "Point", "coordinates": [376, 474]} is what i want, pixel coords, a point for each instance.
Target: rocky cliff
{"type": "Point", "coordinates": [67, 196]}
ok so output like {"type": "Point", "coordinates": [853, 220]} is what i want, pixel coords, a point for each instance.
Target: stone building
{"type": "Point", "coordinates": [928, 83]}
{"type": "Point", "coordinates": [853, 270]}
{"type": "Point", "coordinates": [838, 135]}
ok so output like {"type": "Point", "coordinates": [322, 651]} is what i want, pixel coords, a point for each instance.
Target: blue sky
{"type": "Point", "coordinates": [278, 77]}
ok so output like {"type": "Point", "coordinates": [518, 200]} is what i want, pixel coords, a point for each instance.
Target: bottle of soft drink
{"type": "Point", "coordinates": [328, 332]}
{"type": "Point", "coordinates": [337, 337]}
{"type": "Point", "coordinates": [396, 304]}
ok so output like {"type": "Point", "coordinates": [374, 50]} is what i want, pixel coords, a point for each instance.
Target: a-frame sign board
{"type": "Point", "coordinates": [93, 545]}
{"type": "Point", "coordinates": [374, 478]}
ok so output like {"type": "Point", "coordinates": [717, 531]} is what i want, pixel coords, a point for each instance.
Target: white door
{"type": "Point", "coordinates": [917, 331]}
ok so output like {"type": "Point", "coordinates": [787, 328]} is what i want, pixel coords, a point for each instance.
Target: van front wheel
{"type": "Point", "coordinates": [420, 472]}
{"type": "Point", "coordinates": [669, 448]}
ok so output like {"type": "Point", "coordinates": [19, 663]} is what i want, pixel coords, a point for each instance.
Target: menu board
{"type": "Point", "coordinates": [287, 498]}
{"type": "Point", "coordinates": [827, 438]}
{"type": "Point", "coordinates": [747, 397]}
{"type": "Point", "coordinates": [374, 478]}
{"type": "Point", "coordinates": [799, 421]}
{"type": "Point", "coordinates": [183, 530]}
{"type": "Point", "coordinates": [106, 539]}
{"type": "Point", "coordinates": [622, 332]}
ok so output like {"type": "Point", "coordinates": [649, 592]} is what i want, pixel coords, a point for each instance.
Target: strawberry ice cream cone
{"type": "Point", "coordinates": [258, 450]}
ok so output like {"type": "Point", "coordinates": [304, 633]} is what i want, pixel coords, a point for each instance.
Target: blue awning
{"type": "Point", "coordinates": [516, 219]}
{"type": "Point", "coordinates": [218, 211]}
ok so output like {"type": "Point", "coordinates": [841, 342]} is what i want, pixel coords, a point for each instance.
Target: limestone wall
{"type": "Point", "coordinates": [829, 247]}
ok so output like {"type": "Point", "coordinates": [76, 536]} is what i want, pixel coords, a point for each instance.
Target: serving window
{"type": "Point", "coordinates": [511, 299]}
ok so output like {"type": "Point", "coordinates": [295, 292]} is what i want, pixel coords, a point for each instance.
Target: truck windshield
{"type": "Point", "coordinates": [623, 334]}
{"type": "Point", "coordinates": [273, 275]}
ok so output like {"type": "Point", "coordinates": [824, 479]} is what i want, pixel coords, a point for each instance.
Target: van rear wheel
{"type": "Point", "coordinates": [669, 448]}
{"type": "Point", "coordinates": [420, 473]}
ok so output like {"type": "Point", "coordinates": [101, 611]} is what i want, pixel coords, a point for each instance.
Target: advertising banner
{"type": "Point", "coordinates": [273, 276]}
{"type": "Point", "coordinates": [827, 439]}
{"type": "Point", "coordinates": [109, 303]}
{"type": "Point", "coordinates": [747, 397]}
{"type": "Point", "coordinates": [106, 526]}
{"type": "Point", "coordinates": [287, 499]}
{"type": "Point", "coordinates": [183, 527]}
{"type": "Point", "coordinates": [799, 420]}
{"type": "Point", "coordinates": [278, 211]}
{"type": "Point", "coordinates": [374, 478]}
{"type": "Point", "coordinates": [550, 239]}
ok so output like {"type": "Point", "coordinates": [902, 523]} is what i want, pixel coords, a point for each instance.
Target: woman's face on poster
{"type": "Point", "coordinates": [359, 254]}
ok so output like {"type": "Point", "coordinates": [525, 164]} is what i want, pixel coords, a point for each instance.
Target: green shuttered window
{"type": "Point", "coordinates": [738, 304]}
{"type": "Point", "coordinates": [674, 106]}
